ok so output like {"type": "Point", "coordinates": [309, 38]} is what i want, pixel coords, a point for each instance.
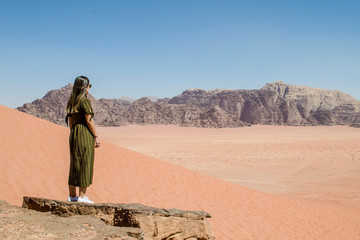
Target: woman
{"type": "Point", "coordinates": [83, 138]}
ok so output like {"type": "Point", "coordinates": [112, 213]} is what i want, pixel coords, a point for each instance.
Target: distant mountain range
{"type": "Point", "coordinates": [276, 103]}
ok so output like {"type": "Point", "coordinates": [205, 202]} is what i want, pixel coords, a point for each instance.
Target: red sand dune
{"type": "Point", "coordinates": [34, 161]}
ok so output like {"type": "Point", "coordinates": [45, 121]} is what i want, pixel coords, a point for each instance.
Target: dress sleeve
{"type": "Point", "coordinates": [86, 107]}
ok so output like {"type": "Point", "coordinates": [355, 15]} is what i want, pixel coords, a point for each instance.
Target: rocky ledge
{"type": "Point", "coordinates": [133, 220]}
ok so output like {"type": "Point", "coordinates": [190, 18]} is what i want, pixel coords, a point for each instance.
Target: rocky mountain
{"type": "Point", "coordinates": [52, 107]}
{"type": "Point", "coordinates": [276, 103]}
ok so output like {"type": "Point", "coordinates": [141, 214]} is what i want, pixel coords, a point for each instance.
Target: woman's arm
{"type": "Point", "coordinates": [70, 122]}
{"type": "Point", "coordinates": [91, 125]}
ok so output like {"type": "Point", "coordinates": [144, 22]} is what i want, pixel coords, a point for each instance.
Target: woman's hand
{"type": "Point", "coordinates": [97, 142]}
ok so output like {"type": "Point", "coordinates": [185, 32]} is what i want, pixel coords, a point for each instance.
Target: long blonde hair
{"type": "Point", "coordinates": [78, 92]}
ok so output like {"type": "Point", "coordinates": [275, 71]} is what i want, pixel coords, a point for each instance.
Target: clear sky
{"type": "Point", "coordinates": [162, 47]}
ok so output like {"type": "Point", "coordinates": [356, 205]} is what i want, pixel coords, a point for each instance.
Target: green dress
{"type": "Point", "coordinates": [82, 148]}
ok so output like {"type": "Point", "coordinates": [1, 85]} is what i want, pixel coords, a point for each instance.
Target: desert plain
{"type": "Point", "coordinates": [319, 163]}
{"type": "Point", "coordinates": [260, 182]}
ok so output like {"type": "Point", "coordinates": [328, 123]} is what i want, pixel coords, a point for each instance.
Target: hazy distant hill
{"type": "Point", "coordinates": [276, 103]}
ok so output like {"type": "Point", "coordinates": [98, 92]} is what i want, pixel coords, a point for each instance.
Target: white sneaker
{"type": "Point", "coordinates": [84, 200]}
{"type": "Point", "coordinates": [73, 199]}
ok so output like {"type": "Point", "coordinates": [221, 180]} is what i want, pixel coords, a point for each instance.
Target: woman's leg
{"type": "Point", "coordinates": [82, 191]}
{"type": "Point", "coordinates": [72, 191]}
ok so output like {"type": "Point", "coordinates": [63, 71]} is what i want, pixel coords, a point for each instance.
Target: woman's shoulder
{"type": "Point", "coordinates": [85, 100]}
{"type": "Point", "coordinates": [85, 104]}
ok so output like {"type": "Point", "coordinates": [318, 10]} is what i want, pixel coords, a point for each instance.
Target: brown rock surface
{"type": "Point", "coordinates": [21, 223]}
{"type": "Point", "coordinates": [154, 223]}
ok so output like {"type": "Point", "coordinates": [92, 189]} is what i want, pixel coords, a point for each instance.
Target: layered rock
{"type": "Point", "coordinates": [152, 223]}
{"type": "Point", "coordinates": [276, 103]}
{"type": "Point", "coordinates": [356, 122]}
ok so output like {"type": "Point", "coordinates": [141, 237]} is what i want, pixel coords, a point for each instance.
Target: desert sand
{"type": "Point", "coordinates": [34, 161]}
{"type": "Point", "coordinates": [315, 163]}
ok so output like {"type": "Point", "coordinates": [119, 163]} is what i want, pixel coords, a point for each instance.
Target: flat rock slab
{"type": "Point", "coordinates": [154, 223]}
{"type": "Point", "coordinates": [26, 224]}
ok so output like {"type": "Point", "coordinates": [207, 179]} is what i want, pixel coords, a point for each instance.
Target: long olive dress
{"type": "Point", "coordinates": [82, 150]}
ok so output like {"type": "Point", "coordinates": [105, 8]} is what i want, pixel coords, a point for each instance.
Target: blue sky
{"type": "Point", "coordinates": [162, 47]}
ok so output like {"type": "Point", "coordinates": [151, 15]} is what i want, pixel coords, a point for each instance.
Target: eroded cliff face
{"type": "Point", "coordinates": [276, 104]}
{"type": "Point", "coordinates": [322, 107]}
